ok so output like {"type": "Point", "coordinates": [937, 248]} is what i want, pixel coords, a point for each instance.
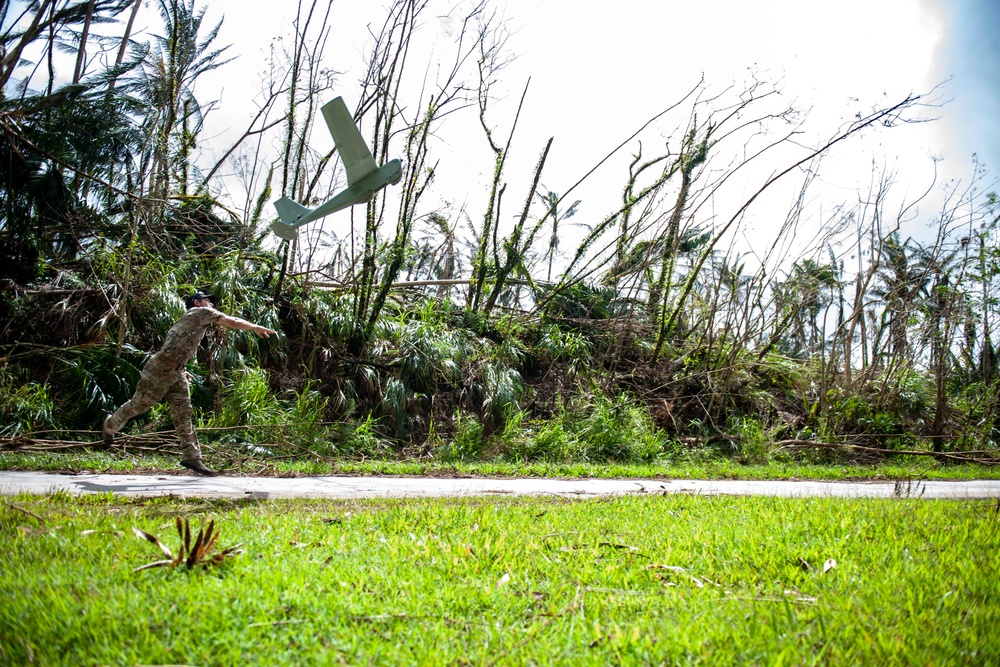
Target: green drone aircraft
{"type": "Point", "coordinates": [364, 179]}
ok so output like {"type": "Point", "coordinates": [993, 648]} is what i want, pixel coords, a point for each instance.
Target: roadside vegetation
{"type": "Point", "coordinates": [693, 467]}
{"type": "Point", "coordinates": [513, 337]}
{"type": "Point", "coordinates": [650, 580]}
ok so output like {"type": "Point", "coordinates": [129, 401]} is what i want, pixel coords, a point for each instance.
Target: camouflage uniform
{"type": "Point", "coordinates": [164, 377]}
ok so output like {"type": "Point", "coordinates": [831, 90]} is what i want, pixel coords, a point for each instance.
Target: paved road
{"type": "Point", "coordinates": [346, 487]}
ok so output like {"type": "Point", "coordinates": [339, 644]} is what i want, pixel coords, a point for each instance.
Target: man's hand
{"type": "Point", "coordinates": [263, 332]}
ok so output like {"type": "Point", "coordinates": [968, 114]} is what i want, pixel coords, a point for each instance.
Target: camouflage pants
{"type": "Point", "coordinates": [162, 379]}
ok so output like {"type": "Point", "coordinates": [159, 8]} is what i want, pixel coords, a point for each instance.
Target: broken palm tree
{"type": "Point", "coordinates": [188, 554]}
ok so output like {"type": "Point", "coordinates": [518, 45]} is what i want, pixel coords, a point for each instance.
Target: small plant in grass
{"type": "Point", "coordinates": [189, 555]}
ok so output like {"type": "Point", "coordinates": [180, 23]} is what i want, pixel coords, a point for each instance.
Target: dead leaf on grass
{"type": "Point", "coordinates": [613, 545]}
{"type": "Point", "coordinates": [672, 568]}
{"type": "Point", "coordinates": [303, 545]}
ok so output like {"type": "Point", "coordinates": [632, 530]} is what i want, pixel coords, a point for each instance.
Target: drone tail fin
{"type": "Point", "coordinates": [289, 210]}
{"type": "Point", "coordinates": [290, 213]}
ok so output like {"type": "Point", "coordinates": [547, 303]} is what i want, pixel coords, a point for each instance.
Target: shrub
{"type": "Point", "coordinates": [306, 419]}
{"type": "Point", "coordinates": [365, 441]}
{"type": "Point", "coordinates": [468, 440]}
{"type": "Point", "coordinates": [752, 444]}
{"type": "Point", "coordinates": [615, 430]}
{"type": "Point", "coordinates": [23, 407]}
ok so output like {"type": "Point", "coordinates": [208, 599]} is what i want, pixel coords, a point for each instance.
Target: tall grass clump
{"type": "Point", "coordinates": [251, 413]}
{"type": "Point", "coordinates": [544, 440]}
{"type": "Point", "coordinates": [468, 440]}
{"type": "Point", "coordinates": [247, 400]}
{"type": "Point", "coordinates": [24, 407]}
{"type": "Point", "coordinates": [307, 422]}
{"type": "Point", "coordinates": [594, 429]}
{"type": "Point", "coordinates": [394, 405]}
{"type": "Point", "coordinates": [752, 445]}
{"type": "Point", "coordinates": [502, 388]}
{"type": "Point", "coordinates": [617, 430]}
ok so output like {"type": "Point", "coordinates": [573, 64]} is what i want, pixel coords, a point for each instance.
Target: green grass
{"type": "Point", "coordinates": [694, 468]}
{"type": "Point", "coordinates": [650, 580]}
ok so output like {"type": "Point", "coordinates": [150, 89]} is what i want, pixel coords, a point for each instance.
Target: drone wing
{"type": "Point", "coordinates": [354, 153]}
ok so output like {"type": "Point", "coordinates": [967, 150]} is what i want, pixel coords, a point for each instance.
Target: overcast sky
{"type": "Point", "coordinates": [598, 75]}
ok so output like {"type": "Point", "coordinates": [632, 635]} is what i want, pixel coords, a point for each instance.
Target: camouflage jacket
{"type": "Point", "coordinates": [186, 334]}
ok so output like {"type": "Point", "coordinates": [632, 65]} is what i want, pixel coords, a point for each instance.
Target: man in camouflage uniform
{"type": "Point", "coordinates": [164, 376]}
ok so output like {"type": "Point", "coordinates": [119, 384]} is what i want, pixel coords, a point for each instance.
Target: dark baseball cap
{"type": "Point", "coordinates": [197, 294]}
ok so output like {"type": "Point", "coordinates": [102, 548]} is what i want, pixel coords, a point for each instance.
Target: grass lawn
{"type": "Point", "coordinates": [643, 580]}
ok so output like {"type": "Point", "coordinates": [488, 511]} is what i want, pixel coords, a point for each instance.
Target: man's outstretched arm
{"type": "Point", "coordinates": [237, 323]}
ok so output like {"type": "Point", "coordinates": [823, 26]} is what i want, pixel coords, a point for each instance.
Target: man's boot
{"type": "Point", "coordinates": [197, 466]}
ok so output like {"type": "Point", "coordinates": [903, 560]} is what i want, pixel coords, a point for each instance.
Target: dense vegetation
{"type": "Point", "coordinates": [452, 333]}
